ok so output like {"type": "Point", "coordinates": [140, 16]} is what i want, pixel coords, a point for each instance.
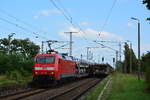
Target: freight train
{"type": "Point", "coordinates": [54, 67]}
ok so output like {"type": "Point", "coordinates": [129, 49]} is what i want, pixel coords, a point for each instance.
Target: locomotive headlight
{"type": "Point", "coordinates": [50, 68]}
{"type": "Point", "coordinates": [44, 68]}
{"type": "Point", "coordinates": [38, 68]}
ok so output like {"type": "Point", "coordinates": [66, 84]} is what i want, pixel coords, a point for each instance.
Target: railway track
{"type": "Point", "coordinates": [5, 90]}
{"type": "Point", "coordinates": [23, 94]}
{"type": "Point", "coordinates": [75, 92]}
{"type": "Point", "coordinates": [70, 91]}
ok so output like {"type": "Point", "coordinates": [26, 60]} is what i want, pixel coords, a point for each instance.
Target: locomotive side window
{"type": "Point", "coordinates": [43, 59]}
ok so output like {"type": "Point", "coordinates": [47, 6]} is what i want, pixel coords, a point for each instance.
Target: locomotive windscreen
{"type": "Point", "coordinates": [45, 59]}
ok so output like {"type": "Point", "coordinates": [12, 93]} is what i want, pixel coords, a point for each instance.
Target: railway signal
{"type": "Point", "coordinates": [103, 59]}
{"type": "Point", "coordinates": [116, 42]}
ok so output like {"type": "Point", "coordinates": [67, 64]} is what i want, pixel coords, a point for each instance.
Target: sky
{"type": "Point", "coordinates": [40, 18]}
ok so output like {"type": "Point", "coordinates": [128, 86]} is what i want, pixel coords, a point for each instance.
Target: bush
{"type": "Point", "coordinates": [25, 73]}
{"type": "Point", "coordinates": [146, 68]}
{"type": "Point", "coordinates": [26, 65]}
{"type": "Point", "coordinates": [147, 74]}
{"type": "Point", "coordinates": [15, 75]}
{"type": "Point", "coordinates": [13, 63]}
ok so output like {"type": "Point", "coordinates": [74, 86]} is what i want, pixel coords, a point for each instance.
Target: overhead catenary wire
{"type": "Point", "coordinates": [108, 16]}
{"type": "Point", "coordinates": [17, 19]}
{"type": "Point", "coordinates": [69, 18]}
{"type": "Point", "coordinates": [6, 28]}
{"type": "Point", "coordinates": [69, 15]}
{"type": "Point", "coordinates": [64, 9]}
{"type": "Point", "coordinates": [5, 20]}
{"type": "Point", "coordinates": [30, 27]}
{"type": "Point", "coordinates": [20, 27]}
{"type": "Point", "coordinates": [63, 13]}
{"type": "Point", "coordinates": [62, 46]}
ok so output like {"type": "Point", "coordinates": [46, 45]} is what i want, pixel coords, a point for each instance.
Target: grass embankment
{"type": "Point", "coordinates": [127, 87]}
{"type": "Point", "coordinates": [14, 78]}
{"type": "Point", "coordinates": [121, 87]}
{"type": "Point", "coordinates": [93, 95]}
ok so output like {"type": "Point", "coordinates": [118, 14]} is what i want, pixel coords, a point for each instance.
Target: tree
{"type": "Point", "coordinates": [4, 45]}
{"type": "Point", "coordinates": [134, 62]}
{"type": "Point", "coordinates": [20, 56]}
{"type": "Point", "coordinates": [127, 58]}
{"type": "Point", "coordinates": [147, 2]}
{"type": "Point", "coordinates": [128, 53]}
{"type": "Point", "coordinates": [28, 48]}
{"type": "Point", "coordinates": [19, 46]}
{"type": "Point", "coordinates": [146, 68]}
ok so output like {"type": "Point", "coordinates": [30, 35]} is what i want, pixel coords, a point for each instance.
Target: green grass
{"type": "Point", "coordinates": [14, 78]}
{"type": "Point", "coordinates": [93, 95]}
{"type": "Point", "coordinates": [127, 87]}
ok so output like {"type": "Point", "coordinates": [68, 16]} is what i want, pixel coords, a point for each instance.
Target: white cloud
{"type": "Point", "coordinates": [130, 25]}
{"type": "Point", "coordinates": [49, 12]}
{"type": "Point", "coordinates": [35, 17]}
{"type": "Point", "coordinates": [145, 47]}
{"type": "Point", "coordinates": [46, 13]}
{"type": "Point", "coordinates": [84, 24]}
{"type": "Point", "coordinates": [89, 34]}
{"type": "Point", "coordinates": [111, 36]}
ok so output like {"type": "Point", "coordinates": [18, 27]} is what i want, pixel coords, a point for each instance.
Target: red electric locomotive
{"type": "Point", "coordinates": [53, 67]}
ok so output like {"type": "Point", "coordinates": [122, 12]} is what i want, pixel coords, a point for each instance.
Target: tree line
{"type": "Point", "coordinates": [130, 64]}
{"type": "Point", "coordinates": [16, 55]}
{"type": "Point", "coordinates": [23, 47]}
{"type": "Point", "coordinates": [146, 57]}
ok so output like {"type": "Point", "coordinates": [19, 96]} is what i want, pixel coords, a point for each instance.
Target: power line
{"type": "Point", "coordinates": [108, 16]}
{"type": "Point", "coordinates": [23, 22]}
{"type": "Point", "coordinates": [63, 13]}
{"type": "Point", "coordinates": [62, 46]}
{"type": "Point", "coordinates": [68, 17]}
{"type": "Point", "coordinates": [17, 25]}
{"type": "Point", "coordinates": [4, 28]}
{"type": "Point", "coordinates": [18, 20]}
{"type": "Point", "coordinates": [64, 9]}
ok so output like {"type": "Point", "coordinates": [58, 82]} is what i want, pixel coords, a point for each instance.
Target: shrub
{"type": "Point", "coordinates": [14, 75]}
{"type": "Point", "coordinates": [147, 74]}
{"type": "Point", "coordinates": [26, 65]}
{"type": "Point", "coordinates": [146, 68]}
{"type": "Point", "coordinates": [11, 63]}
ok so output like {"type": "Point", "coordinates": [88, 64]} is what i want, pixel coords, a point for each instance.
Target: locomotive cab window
{"type": "Point", "coordinates": [45, 59]}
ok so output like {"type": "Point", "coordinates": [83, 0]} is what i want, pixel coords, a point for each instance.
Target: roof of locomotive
{"type": "Point", "coordinates": [46, 54]}
{"type": "Point", "coordinates": [62, 56]}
